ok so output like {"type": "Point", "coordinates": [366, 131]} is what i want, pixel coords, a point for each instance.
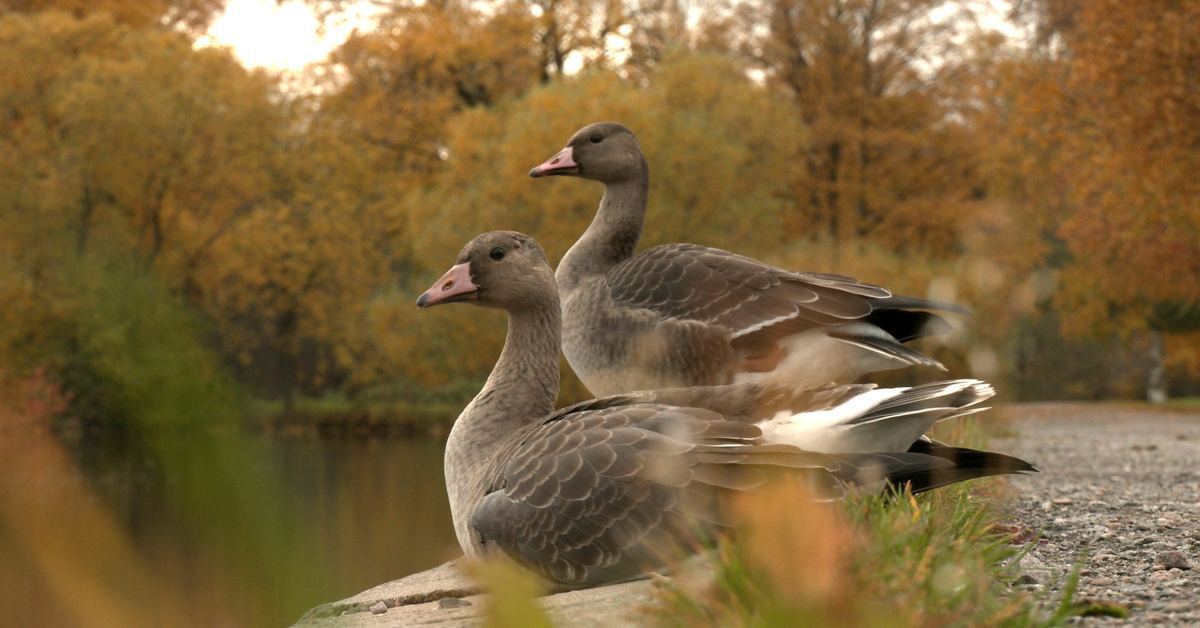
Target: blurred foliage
{"type": "Point", "coordinates": [281, 234]}
{"type": "Point", "coordinates": [187, 15]}
{"type": "Point", "coordinates": [1131, 120]}
{"type": "Point", "coordinates": [513, 593]}
{"type": "Point", "coordinates": [874, 560]}
{"type": "Point", "coordinates": [142, 352]}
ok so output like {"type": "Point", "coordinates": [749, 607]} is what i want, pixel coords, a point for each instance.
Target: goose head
{"type": "Point", "coordinates": [607, 152]}
{"type": "Point", "coordinates": [500, 269]}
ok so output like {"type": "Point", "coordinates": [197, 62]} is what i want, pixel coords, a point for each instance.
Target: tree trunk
{"type": "Point", "coordinates": [1156, 383]}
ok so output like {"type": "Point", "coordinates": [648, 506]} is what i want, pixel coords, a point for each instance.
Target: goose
{"type": "Point", "coordinates": [690, 315]}
{"type": "Point", "coordinates": [604, 490]}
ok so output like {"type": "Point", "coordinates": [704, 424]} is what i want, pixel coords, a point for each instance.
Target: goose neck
{"type": "Point", "coordinates": [524, 383]}
{"type": "Point", "coordinates": [613, 235]}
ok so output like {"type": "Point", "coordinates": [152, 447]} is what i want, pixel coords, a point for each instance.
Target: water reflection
{"type": "Point", "coordinates": [202, 529]}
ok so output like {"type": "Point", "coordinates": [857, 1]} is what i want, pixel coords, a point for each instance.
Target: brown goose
{"type": "Point", "coordinates": [603, 490]}
{"type": "Point", "coordinates": [690, 315]}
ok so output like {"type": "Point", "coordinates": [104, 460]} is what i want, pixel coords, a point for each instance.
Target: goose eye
{"type": "Point", "coordinates": [497, 254]}
{"type": "Point", "coordinates": [596, 138]}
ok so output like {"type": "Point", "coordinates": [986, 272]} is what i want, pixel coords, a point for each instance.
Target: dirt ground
{"type": "Point", "coordinates": [1119, 489]}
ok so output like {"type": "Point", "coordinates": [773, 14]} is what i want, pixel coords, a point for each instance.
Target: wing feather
{"type": "Point", "coordinates": [752, 303]}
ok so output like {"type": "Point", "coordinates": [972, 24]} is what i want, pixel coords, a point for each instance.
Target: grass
{"type": "Point", "coordinates": [936, 559]}
{"type": "Point", "coordinates": [397, 409]}
{"type": "Point", "coordinates": [336, 416]}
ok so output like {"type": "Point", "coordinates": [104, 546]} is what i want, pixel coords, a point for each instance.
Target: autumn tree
{"type": "Point", "coordinates": [119, 144]}
{"type": "Point", "coordinates": [399, 84]}
{"type": "Point", "coordinates": [561, 35]}
{"type": "Point", "coordinates": [190, 15]}
{"type": "Point", "coordinates": [289, 283]}
{"type": "Point", "coordinates": [886, 160]}
{"type": "Point", "coordinates": [1128, 123]}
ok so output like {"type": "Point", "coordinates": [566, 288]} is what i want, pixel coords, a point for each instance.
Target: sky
{"type": "Point", "coordinates": [262, 33]}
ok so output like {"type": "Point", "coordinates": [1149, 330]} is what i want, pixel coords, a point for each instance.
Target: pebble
{"type": "Point", "coordinates": [1131, 520]}
{"type": "Point", "coordinates": [1172, 560]}
{"type": "Point", "coordinates": [379, 608]}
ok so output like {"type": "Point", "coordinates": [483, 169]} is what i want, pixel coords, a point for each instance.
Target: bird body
{"type": "Point", "coordinates": [691, 315]}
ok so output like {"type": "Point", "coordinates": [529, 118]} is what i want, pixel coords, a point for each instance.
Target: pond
{"type": "Point", "coordinates": [209, 529]}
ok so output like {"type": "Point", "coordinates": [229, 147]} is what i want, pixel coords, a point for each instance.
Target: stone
{"type": "Point", "coordinates": [379, 608]}
{"type": "Point", "coordinates": [1173, 560]}
{"type": "Point", "coordinates": [1102, 581]}
{"type": "Point", "coordinates": [435, 598]}
{"type": "Point", "coordinates": [1179, 606]}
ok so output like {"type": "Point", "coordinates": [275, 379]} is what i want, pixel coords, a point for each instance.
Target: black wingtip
{"type": "Point", "coordinates": [899, 302]}
{"type": "Point", "coordinates": [973, 463]}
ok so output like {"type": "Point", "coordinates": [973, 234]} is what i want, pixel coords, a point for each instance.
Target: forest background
{"type": "Point", "coordinates": [180, 234]}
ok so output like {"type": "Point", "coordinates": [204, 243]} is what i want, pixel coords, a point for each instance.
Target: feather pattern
{"type": "Point", "coordinates": [598, 492]}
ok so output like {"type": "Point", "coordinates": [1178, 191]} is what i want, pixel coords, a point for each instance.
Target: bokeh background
{"type": "Point", "coordinates": [218, 404]}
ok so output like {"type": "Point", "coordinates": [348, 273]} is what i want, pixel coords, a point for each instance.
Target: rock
{"type": "Point", "coordinates": [1033, 571]}
{"type": "Point", "coordinates": [1173, 560]}
{"type": "Point", "coordinates": [1102, 581]}
{"type": "Point", "coordinates": [1062, 501]}
{"type": "Point", "coordinates": [445, 597]}
{"type": "Point", "coordinates": [1179, 606]}
{"type": "Point", "coordinates": [379, 608]}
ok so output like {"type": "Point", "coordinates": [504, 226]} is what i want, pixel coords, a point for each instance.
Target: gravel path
{"type": "Point", "coordinates": [1124, 485]}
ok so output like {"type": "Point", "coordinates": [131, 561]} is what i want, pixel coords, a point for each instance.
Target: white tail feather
{"type": "Point", "coordinates": [880, 420]}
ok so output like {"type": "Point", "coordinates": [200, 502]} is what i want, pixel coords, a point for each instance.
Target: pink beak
{"type": "Point", "coordinates": [455, 285]}
{"type": "Point", "coordinates": [561, 163]}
